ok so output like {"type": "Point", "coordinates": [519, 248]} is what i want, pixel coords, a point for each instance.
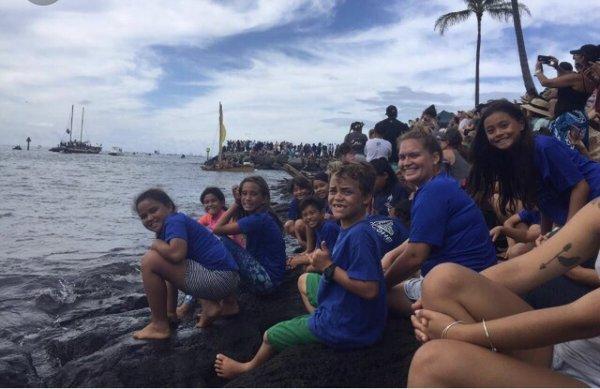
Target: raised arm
{"type": "Point", "coordinates": [224, 225]}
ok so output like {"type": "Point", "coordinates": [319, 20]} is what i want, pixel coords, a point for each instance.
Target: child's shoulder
{"type": "Point", "coordinates": [330, 225]}
{"type": "Point", "coordinates": [177, 217]}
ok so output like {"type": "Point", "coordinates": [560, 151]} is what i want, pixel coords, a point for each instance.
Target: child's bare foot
{"type": "Point", "coordinates": [229, 368]}
{"type": "Point", "coordinates": [153, 331]}
{"type": "Point", "coordinates": [211, 310]}
{"type": "Point", "coordinates": [182, 310]}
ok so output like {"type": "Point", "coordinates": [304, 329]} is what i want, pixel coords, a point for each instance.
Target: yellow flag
{"type": "Point", "coordinates": [222, 131]}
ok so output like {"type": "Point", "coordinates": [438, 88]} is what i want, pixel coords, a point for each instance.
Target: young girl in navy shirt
{"type": "Point", "coordinates": [530, 170]}
{"type": "Point", "coordinates": [184, 256]}
{"type": "Point", "coordinates": [262, 262]}
{"type": "Point", "coordinates": [387, 189]}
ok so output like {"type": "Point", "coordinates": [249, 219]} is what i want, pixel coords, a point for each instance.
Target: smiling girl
{"type": "Point", "coordinates": [446, 225]}
{"type": "Point", "coordinates": [262, 263]}
{"type": "Point", "coordinates": [184, 256]}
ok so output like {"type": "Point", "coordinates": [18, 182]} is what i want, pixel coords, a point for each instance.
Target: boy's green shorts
{"type": "Point", "coordinates": [295, 331]}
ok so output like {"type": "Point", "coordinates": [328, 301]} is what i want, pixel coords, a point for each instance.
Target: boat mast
{"type": "Point", "coordinates": [71, 127]}
{"type": "Point", "coordinates": [81, 133]}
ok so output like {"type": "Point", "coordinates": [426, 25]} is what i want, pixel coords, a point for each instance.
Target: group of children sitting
{"type": "Point", "coordinates": [362, 255]}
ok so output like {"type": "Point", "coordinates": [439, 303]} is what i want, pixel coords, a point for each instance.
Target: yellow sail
{"type": "Point", "coordinates": [222, 130]}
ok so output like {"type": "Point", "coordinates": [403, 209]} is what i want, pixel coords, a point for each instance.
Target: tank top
{"type": "Point", "coordinates": [570, 100]}
{"type": "Point", "coordinates": [583, 354]}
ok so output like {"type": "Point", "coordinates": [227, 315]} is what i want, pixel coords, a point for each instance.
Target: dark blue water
{"type": "Point", "coordinates": [70, 240]}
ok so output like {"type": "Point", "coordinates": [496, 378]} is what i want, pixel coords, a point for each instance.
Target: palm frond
{"type": "Point", "coordinates": [450, 19]}
{"type": "Point", "coordinates": [500, 12]}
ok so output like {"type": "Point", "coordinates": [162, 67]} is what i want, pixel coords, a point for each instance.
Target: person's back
{"type": "Point", "coordinates": [391, 231]}
{"type": "Point", "coordinates": [357, 140]}
{"type": "Point", "coordinates": [391, 129]}
{"type": "Point", "coordinates": [460, 169]}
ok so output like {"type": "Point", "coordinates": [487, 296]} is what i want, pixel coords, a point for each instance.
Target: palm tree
{"type": "Point", "coordinates": [497, 9]}
{"type": "Point", "coordinates": [527, 79]}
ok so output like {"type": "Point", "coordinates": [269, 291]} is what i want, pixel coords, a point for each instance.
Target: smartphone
{"type": "Point", "coordinates": [546, 59]}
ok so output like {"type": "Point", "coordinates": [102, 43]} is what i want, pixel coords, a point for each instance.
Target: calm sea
{"type": "Point", "coordinates": [70, 240]}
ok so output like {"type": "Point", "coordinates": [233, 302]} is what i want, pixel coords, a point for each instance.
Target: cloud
{"type": "Point", "coordinates": [151, 76]}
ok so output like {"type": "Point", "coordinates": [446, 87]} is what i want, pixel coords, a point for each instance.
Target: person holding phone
{"type": "Point", "coordinates": [573, 91]}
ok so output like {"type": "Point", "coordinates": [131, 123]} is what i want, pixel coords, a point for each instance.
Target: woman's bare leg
{"type": "Point", "coordinates": [449, 363]}
{"type": "Point", "coordinates": [155, 272]}
{"type": "Point", "coordinates": [470, 297]}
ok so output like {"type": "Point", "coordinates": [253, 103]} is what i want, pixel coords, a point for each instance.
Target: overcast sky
{"type": "Point", "coordinates": [151, 73]}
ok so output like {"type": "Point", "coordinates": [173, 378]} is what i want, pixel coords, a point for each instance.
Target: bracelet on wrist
{"type": "Point", "coordinates": [445, 330]}
{"type": "Point", "coordinates": [487, 335]}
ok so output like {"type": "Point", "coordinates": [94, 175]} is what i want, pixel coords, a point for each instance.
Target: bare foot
{"type": "Point", "coordinates": [211, 310]}
{"type": "Point", "coordinates": [229, 368]}
{"type": "Point", "coordinates": [153, 331]}
{"type": "Point", "coordinates": [182, 310]}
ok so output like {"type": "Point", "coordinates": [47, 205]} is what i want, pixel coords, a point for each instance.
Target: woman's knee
{"type": "Point", "coordinates": [444, 280]}
{"type": "Point", "coordinates": [432, 362]}
{"type": "Point", "coordinates": [150, 260]}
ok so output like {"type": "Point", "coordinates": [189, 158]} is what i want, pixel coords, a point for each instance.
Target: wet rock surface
{"type": "Point", "coordinates": [98, 351]}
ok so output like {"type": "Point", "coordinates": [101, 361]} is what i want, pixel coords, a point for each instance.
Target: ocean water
{"type": "Point", "coordinates": [71, 242]}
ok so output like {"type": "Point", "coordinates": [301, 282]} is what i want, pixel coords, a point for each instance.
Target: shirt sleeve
{"type": "Point", "coordinates": [175, 228]}
{"type": "Point", "coordinates": [364, 265]}
{"type": "Point", "coordinates": [250, 223]}
{"type": "Point", "coordinates": [429, 216]}
{"type": "Point", "coordinates": [557, 167]}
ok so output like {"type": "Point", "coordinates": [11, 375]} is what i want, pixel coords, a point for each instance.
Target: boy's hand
{"type": "Point", "coordinates": [320, 258]}
{"type": "Point", "coordinates": [235, 190]}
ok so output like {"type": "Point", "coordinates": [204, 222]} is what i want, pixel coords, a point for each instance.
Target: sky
{"type": "Point", "coordinates": [151, 73]}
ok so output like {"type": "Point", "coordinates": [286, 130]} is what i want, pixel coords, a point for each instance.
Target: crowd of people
{"type": "Point", "coordinates": [484, 232]}
{"type": "Point", "coordinates": [288, 149]}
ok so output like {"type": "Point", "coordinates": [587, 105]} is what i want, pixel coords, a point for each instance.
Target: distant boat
{"type": "Point", "coordinates": [76, 146]}
{"type": "Point", "coordinates": [17, 147]}
{"type": "Point", "coordinates": [116, 152]}
{"type": "Point", "coordinates": [225, 165]}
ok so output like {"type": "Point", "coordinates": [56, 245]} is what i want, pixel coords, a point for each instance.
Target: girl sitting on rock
{"type": "Point", "coordinates": [184, 256]}
{"type": "Point", "coordinates": [262, 262]}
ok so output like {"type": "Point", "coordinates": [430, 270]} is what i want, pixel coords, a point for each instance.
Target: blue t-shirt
{"type": "Point", "coordinates": [560, 169]}
{"type": "Point", "coordinates": [384, 200]}
{"type": "Point", "coordinates": [293, 211]}
{"type": "Point", "coordinates": [343, 319]}
{"type": "Point", "coordinates": [328, 232]}
{"type": "Point", "coordinates": [391, 232]}
{"type": "Point", "coordinates": [530, 217]}
{"type": "Point", "coordinates": [447, 219]}
{"type": "Point", "coordinates": [264, 240]}
{"type": "Point", "coordinates": [202, 246]}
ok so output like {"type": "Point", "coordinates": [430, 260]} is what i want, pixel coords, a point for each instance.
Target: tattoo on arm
{"type": "Point", "coordinates": [563, 259]}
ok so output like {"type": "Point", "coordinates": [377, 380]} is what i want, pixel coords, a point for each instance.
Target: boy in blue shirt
{"type": "Point", "coordinates": [350, 302]}
{"type": "Point", "coordinates": [318, 230]}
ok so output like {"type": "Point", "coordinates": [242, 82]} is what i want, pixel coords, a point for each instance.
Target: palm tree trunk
{"type": "Point", "coordinates": [477, 60]}
{"type": "Point", "coordinates": [527, 79]}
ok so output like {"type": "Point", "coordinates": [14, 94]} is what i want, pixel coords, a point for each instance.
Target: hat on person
{"type": "Point", "coordinates": [431, 111]}
{"type": "Point", "coordinates": [590, 52]}
{"type": "Point", "coordinates": [539, 106]}
{"type": "Point", "coordinates": [391, 111]}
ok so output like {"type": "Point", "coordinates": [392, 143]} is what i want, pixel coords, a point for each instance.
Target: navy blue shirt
{"type": "Point", "coordinates": [343, 319]}
{"type": "Point", "coordinates": [264, 240]}
{"type": "Point", "coordinates": [202, 246]}
{"type": "Point", "coordinates": [328, 231]}
{"type": "Point", "coordinates": [447, 219]}
{"type": "Point", "coordinates": [530, 217]}
{"type": "Point", "coordinates": [560, 169]}
{"type": "Point", "coordinates": [293, 211]}
{"type": "Point", "coordinates": [391, 232]}
{"type": "Point", "coordinates": [385, 199]}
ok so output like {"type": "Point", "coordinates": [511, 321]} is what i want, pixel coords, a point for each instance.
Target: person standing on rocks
{"type": "Point", "coordinates": [391, 129]}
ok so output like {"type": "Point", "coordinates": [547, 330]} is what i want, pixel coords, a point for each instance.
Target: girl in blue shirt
{"type": "Point", "coordinates": [387, 189]}
{"type": "Point", "coordinates": [262, 262]}
{"type": "Point", "coordinates": [535, 171]}
{"type": "Point", "coordinates": [184, 256]}
{"type": "Point", "coordinates": [446, 225]}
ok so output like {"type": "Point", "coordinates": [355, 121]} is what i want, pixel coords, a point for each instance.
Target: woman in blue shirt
{"type": "Point", "coordinates": [446, 225]}
{"type": "Point", "coordinates": [535, 171]}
